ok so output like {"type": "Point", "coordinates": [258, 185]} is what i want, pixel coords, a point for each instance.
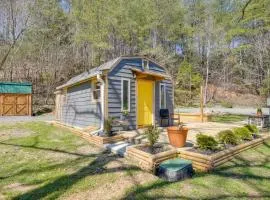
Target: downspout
{"type": "Point", "coordinates": [102, 100]}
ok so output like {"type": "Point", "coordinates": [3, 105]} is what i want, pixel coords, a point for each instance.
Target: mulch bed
{"type": "Point", "coordinates": [158, 148]}
{"type": "Point", "coordinates": [204, 152]}
{"type": "Point", "coordinates": [220, 148]}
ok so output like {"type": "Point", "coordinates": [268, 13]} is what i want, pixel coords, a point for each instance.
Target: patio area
{"type": "Point", "coordinates": [208, 128]}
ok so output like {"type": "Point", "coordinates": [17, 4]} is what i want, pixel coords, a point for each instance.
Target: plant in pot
{"type": "Point", "coordinates": [152, 134]}
{"type": "Point", "coordinates": [259, 112]}
{"type": "Point", "coordinates": [108, 126]}
{"type": "Point", "coordinates": [177, 135]}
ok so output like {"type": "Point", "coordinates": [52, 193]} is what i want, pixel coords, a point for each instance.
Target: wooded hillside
{"type": "Point", "coordinates": [225, 43]}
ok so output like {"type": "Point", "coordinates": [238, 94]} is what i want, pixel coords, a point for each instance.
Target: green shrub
{"type": "Point", "coordinates": [108, 126]}
{"type": "Point", "coordinates": [152, 134]}
{"type": "Point", "coordinates": [206, 142]}
{"type": "Point", "coordinates": [243, 133]}
{"type": "Point", "coordinates": [227, 137]}
{"type": "Point", "coordinates": [252, 128]}
{"type": "Point", "coordinates": [226, 104]}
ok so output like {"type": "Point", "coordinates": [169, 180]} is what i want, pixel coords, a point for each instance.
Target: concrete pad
{"type": "Point", "coordinates": [118, 148]}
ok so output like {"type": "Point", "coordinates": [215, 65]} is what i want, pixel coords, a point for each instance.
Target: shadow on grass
{"type": "Point", "coordinates": [43, 148]}
{"type": "Point", "coordinates": [48, 168]}
{"type": "Point", "coordinates": [57, 187]}
{"type": "Point", "coordinates": [150, 191]}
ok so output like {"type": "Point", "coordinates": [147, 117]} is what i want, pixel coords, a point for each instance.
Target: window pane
{"type": "Point", "coordinates": [125, 95]}
{"type": "Point", "coordinates": [96, 90]}
{"type": "Point", "coordinates": [145, 64]}
{"type": "Point", "coordinates": [98, 85]}
{"type": "Point", "coordinates": [162, 96]}
{"type": "Point", "coordinates": [96, 94]}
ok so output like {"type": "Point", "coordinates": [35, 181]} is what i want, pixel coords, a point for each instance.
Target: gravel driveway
{"type": "Point", "coordinates": [15, 119]}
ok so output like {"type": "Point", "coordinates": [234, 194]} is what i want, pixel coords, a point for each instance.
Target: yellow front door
{"type": "Point", "coordinates": [145, 102]}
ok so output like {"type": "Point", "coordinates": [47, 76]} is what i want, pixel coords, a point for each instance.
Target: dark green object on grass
{"type": "Point", "coordinates": [15, 88]}
{"type": "Point", "coordinates": [175, 169]}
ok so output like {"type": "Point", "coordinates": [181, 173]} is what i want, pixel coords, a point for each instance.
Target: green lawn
{"type": "Point", "coordinates": [228, 118]}
{"type": "Point", "coordinates": [245, 177]}
{"type": "Point", "coordinates": [39, 161]}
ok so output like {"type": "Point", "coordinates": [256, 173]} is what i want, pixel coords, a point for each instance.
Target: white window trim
{"type": "Point", "coordinates": [147, 65]}
{"type": "Point", "coordinates": [92, 92]}
{"type": "Point", "coordinates": [122, 94]}
{"type": "Point", "coordinates": [162, 84]}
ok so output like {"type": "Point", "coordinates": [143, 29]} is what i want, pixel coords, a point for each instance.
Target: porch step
{"type": "Point", "coordinates": [118, 148]}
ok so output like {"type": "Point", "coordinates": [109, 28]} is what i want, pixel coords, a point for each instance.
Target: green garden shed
{"type": "Point", "coordinates": [15, 99]}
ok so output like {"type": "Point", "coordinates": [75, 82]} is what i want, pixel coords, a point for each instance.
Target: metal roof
{"type": "Point", "coordinates": [15, 88]}
{"type": "Point", "coordinates": [91, 73]}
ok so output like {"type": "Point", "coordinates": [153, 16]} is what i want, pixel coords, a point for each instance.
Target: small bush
{"type": "Point", "coordinates": [206, 142]}
{"type": "Point", "coordinates": [226, 104]}
{"type": "Point", "coordinates": [152, 134]}
{"type": "Point", "coordinates": [108, 126]}
{"type": "Point", "coordinates": [252, 128]}
{"type": "Point", "coordinates": [243, 133]}
{"type": "Point", "coordinates": [227, 137]}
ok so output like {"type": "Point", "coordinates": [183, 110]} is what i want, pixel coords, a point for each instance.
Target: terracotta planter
{"type": "Point", "coordinates": [177, 137]}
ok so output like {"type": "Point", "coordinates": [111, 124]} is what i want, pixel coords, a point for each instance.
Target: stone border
{"type": "Point", "coordinates": [207, 163]}
{"type": "Point", "coordinates": [147, 161]}
{"type": "Point", "coordinates": [94, 139]}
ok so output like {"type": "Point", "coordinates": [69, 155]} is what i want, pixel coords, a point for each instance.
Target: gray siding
{"type": "Point", "coordinates": [122, 70]}
{"type": "Point", "coordinates": [79, 109]}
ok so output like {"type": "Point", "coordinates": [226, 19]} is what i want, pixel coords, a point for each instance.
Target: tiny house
{"type": "Point", "coordinates": [127, 89]}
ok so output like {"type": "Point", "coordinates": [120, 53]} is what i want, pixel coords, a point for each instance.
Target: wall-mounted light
{"type": "Point", "coordinates": [134, 75]}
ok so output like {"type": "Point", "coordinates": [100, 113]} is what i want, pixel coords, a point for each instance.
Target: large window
{"type": "Point", "coordinates": [125, 95]}
{"type": "Point", "coordinates": [162, 96]}
{"type": "Point", "coordinates": [95, 90]}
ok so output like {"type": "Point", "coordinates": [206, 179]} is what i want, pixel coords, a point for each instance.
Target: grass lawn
{"type": "Point", "coordinates": [39, 161]}
{"type": "Point", "coordinates": [228, 118]}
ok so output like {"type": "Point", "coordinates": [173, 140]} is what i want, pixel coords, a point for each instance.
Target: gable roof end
{"type": "Point", "coordinates": [98, 70]}
{"type": "Point", "coordinates": [90, 73]}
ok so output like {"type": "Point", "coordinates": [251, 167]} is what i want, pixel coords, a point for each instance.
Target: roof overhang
{"type": "Point", "coordinates": [81, 81]}
{"type": "Point", "coordinates": [109, 67]}
{"type": "Point", "coordinates": [147, 73]}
